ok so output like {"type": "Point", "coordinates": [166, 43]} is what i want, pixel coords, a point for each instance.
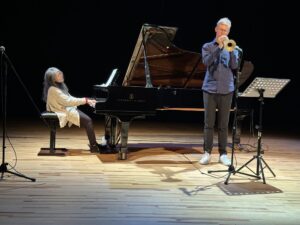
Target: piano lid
{"type": "Point", "coordinates": [169, 65]}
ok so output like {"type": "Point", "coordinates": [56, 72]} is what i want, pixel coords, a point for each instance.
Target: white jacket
{"type": "Point", "coordinates": [64, 105]}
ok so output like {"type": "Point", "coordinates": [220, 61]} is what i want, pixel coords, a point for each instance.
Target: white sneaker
{"type": "Point", "coordinates": [205, 158]}
{"type": "Point", "coordinates": [224, 160]}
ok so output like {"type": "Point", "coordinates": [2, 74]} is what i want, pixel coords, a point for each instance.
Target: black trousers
{"type": "Point", "coordinates": [87, 123]}
{"type": "Point", "coordinates": [223, 104]}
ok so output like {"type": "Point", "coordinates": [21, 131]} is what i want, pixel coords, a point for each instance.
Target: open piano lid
{"type": "Point", "coordinates": [169, 65]}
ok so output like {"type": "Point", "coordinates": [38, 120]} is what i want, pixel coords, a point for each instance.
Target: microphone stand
{"type": "Point", "coordinates": [231, 169]}
{"type": "Point", "coordinates": [3, 166]}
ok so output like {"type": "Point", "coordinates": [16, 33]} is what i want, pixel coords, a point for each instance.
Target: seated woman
{"type": "Point", "coordinates": [58, 100]}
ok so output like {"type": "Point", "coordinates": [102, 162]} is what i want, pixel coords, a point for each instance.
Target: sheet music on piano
{"type": "Point", "coordinates": [111, 80]}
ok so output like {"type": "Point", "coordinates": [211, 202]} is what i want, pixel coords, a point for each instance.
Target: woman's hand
{"type": "Point", "coordinates": [91, 102]}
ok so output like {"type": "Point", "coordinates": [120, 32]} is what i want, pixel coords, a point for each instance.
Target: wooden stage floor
{"type": "Point", "coordinates": [160, 183]}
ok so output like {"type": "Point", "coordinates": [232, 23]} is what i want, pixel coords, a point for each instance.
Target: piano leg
{"type": "Point", "coordinates": [111, 131]}
{"type": "Point", "coordinates": [116, 131]}
{"type": "Point", "coordinates": [124, 140]}
{"type": "Point", "coordinates": [241, 114]}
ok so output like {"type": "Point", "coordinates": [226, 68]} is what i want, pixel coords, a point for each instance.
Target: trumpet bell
{"type": "Point", "coordinates": [229, 45]}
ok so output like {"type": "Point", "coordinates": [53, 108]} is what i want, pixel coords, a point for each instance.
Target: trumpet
{"type": "Point", "coordinates": [229, 45]}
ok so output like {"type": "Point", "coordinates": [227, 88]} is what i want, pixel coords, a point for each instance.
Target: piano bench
{"type": "Point", "coordinates": [52, 121]}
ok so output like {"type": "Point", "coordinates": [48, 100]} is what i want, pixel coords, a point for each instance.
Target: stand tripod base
{"type": "Point", "coordinates": [259, 168]}
{"type": "Point", "coordinates": [53, 152]}
{"type": "Point", "coordinates": [3, 169]}
{"type": "Point", "coordinates": [261, 165]}
{"type": "Point", "coordinates": [230, 171]}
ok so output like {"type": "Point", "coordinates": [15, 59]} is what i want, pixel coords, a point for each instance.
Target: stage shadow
{"type": "Point", "coordinates": [157, 153]}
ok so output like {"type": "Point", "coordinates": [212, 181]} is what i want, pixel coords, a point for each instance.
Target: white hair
{"type": "Point", "coordinates": [225, 21]}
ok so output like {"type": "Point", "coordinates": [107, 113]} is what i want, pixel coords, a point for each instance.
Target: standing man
{"type": "Point", "coordinates": [218, 88]}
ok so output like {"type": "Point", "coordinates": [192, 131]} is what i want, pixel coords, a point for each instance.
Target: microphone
{"type": "Point", "coordinates": [2, 48]}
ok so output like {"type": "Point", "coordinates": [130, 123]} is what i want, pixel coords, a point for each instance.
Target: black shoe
{"type": "Point", "coordinates": [106, 149]}
{"type": "Point", "coordinates": [94, 148]}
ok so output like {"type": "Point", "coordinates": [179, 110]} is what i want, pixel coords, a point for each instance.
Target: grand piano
{"type": "Point", "coordinates": [160, 76]}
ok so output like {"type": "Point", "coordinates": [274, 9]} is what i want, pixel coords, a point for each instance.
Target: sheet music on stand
{"type": "Point", "coordinates": [271, 87]}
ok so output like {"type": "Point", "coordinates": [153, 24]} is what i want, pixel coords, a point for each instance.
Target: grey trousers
{"type": "Point", "coordinates": [223, 104]}
{"type": "Point", "coordinates": [87, 123]}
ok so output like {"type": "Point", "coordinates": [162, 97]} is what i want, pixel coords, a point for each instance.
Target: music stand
{"type": "Point", "coordinates": [262, 88]}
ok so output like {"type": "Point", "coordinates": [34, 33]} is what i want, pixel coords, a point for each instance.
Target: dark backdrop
{"type": "Point", "coordinates": [86, 39]}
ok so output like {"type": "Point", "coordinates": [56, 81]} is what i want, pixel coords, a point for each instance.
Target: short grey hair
{"type": "Point", "coordinates": [225, 21]}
